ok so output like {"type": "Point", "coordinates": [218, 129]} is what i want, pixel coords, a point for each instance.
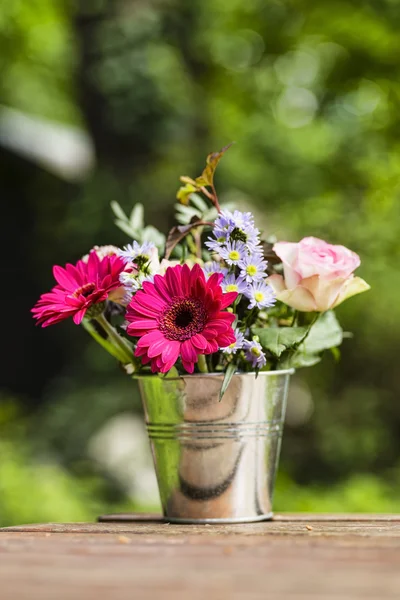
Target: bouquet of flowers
{"type": "Point", "coordinates": [222, 298]}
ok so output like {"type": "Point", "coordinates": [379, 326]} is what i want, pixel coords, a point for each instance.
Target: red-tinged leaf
{"type": "Point", "coordinates": [207, 176]}
{"type": "Point", "coordinates": [177, 234]}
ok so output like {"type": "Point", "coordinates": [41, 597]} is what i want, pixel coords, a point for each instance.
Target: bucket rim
{"type": "Point", "coordinates": [212, 375]}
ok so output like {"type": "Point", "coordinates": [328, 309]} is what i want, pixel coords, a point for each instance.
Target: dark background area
{"type": "Point", "coordinates": [116, 100]}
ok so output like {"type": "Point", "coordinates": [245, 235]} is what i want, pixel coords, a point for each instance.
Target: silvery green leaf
{"type": "Point", "coordinates": [117, 210]}
{"type": "Point", "coordinates": [199, 202]}
{"type": "Point", "coordinates": [126, 228]}
{"type": "Point", "coordinates": [136, 217]}
{"type": "Point", "coordinates": [151, 234]}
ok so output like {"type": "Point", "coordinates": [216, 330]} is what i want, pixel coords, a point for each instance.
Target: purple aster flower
{"type": "Point", "coordinates": [215, 245]}
{"type": "Point", "coordinates": [237, 226]}
{"type": "Point", "coordinates": [233, 252]}
{"type": "Point", "coordinates": [224, 221]}
{"type": "Point", "coordinates": [254, 354]}
{"type": "Point", "coordinates": [214, 267]}
{"type": "Point", "coordinates": [252, 267]}
{"type": "Point", "coordinates": [235, 346]}
{"type": "Point", "coordinates": [260, 294]}
{"type": "Point", "coordinates": [234, 284]}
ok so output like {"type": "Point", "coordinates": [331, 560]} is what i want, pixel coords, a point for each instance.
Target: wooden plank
{"type": "Point", "coordinates": [303, 557]}
{"type": "Point", "coordinates": [157, 518]}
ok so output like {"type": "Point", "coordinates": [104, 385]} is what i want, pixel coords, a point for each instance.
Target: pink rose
{"type": "Point", "coordinates": [317, 276]}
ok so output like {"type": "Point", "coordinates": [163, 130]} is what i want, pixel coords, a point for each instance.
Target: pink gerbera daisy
{"type": "Point", "coordinates": [180, 314]}
{"type": "Point", "coordinates": [79, 288]}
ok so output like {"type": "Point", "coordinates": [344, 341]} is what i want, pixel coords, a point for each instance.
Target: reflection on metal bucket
{"type": "Point", "coordinates": [215, 461]}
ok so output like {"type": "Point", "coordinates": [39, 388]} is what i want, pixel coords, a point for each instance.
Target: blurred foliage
{"type": "Point", "coordinates": [310, 92]}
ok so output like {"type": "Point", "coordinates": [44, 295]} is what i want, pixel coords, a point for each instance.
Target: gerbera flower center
{"type": "Point", "coordinates": [183, 318]}
{"type": "Point", "coordinates": [85, 290]}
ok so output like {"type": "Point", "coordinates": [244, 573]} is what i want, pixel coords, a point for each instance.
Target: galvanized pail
{"type": "Point", "coordinates": [215, 460]}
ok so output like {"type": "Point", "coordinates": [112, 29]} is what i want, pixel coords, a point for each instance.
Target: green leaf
{"type": "Point", "coordinates": [279, 339]}
{"type": "Point", "coordinates": [111, 349]}
{"type": "Point", "coordinates": [207, 176]}
{"type": "Point", "coordinates": [151, 234]}
{"type": "Point", "coordinates": [186, 213]}
{"type": "Point", "coordinates": [299, 360]}
{"type": "Point", "coordinates": [325, 333]}
{"type": "Point", "coordinates": [136, 216]}
{"type": "Point", "coordinates": [184, 193]}
{"type": "Point", "coordinates": [117, 210]}
{"type": "Point", "coordinates": [229, 373]}
{"type": "Point", "coordinates": [126, 228]}
{"type": "Point", "coordinates": [199, 202]}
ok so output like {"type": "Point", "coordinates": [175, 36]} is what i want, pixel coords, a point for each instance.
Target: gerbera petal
{"type": "Point", "coordinates": [156, 348]}
{"type": "Point", "coordinates": [188, 366]}
{"type": "Point", "coordinates": [161, 287]}
{"type": "Point", "coordinates": [65, 279]}
{"type": "Point", "coordinates": [185, 280]}
{"type": "Point", "coordinates": [78, 317]}
{"type": "Point", "coordinates": [173, 277]}
{"type": "Point", "coordinates": [150, 338]}
{"type": "Point", "coordinates": [228, 299]}
{"type": "Point", "coordinates": [212, 346]}
{"type": "Point", "coordinates": [93, 266]}
{"type": "Point", "coordinates": [171, 351]}
{"type": "Point", "coordinates": [195, 274]}
{"type": "Point", "coordinates": [219, 326]}
{"type": "Point", "coordinates": [215, 280]}
{"type": "Point", "coordinates": [150, 302]}
{"type": "Point", "coordinates": [139, 328]}
{"type": "Point", "coordinates": [199, 341]}
{"type": "Point", "coordinates": [209, 333]}
{"type": "Point", "coordinates": [188, 351]}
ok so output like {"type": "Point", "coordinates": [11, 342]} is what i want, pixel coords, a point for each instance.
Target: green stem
{"type": "Point", "coordinates": [118, 341]}
{"type": "Point", "coordinates": [202, 364]}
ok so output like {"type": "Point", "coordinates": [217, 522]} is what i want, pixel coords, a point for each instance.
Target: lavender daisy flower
{"type": "Point", "coordinates": [237, 226]}
{"type": "Point", "coordinates": [261, 295]}
{"type": "Point", "coordinates": [252, 267]}
{"type": "Point", "coordinates": [224, 222]}
{"type": "Point", "coordinates": [215, 245]}
{"type": "Point", "coordinates": [235, 346]}
{"type": "Point", "coordinates": [133, 252]}
{"type": "Point", "coordinates": [254, 354]}
{"type": "Point", "coordinates": [233, 252]}
{"type": "Point", "coordinates": [214, 267]}
{"type": "Point", "coordinates": [234, 284]}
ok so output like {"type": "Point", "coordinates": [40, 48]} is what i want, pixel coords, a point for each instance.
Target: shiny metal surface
{"type": "Point", "coordinates": [215, 461]}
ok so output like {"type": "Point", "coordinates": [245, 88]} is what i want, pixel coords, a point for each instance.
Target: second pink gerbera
{"type": "Point", "coordinates": [79, 287]}
{"type": "Point", "coordinates": [180, 314]}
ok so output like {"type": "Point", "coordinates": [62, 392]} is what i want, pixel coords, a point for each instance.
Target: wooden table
{"type": "Point", "coordinates": [294, 556]}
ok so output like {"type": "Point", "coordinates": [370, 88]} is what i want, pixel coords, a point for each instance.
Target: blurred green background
{"type": "Point", "coordinates": [114, 101]}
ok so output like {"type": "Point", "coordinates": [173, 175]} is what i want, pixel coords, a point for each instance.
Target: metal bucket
{"type": "Point", "coordinates": [215, 461]}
